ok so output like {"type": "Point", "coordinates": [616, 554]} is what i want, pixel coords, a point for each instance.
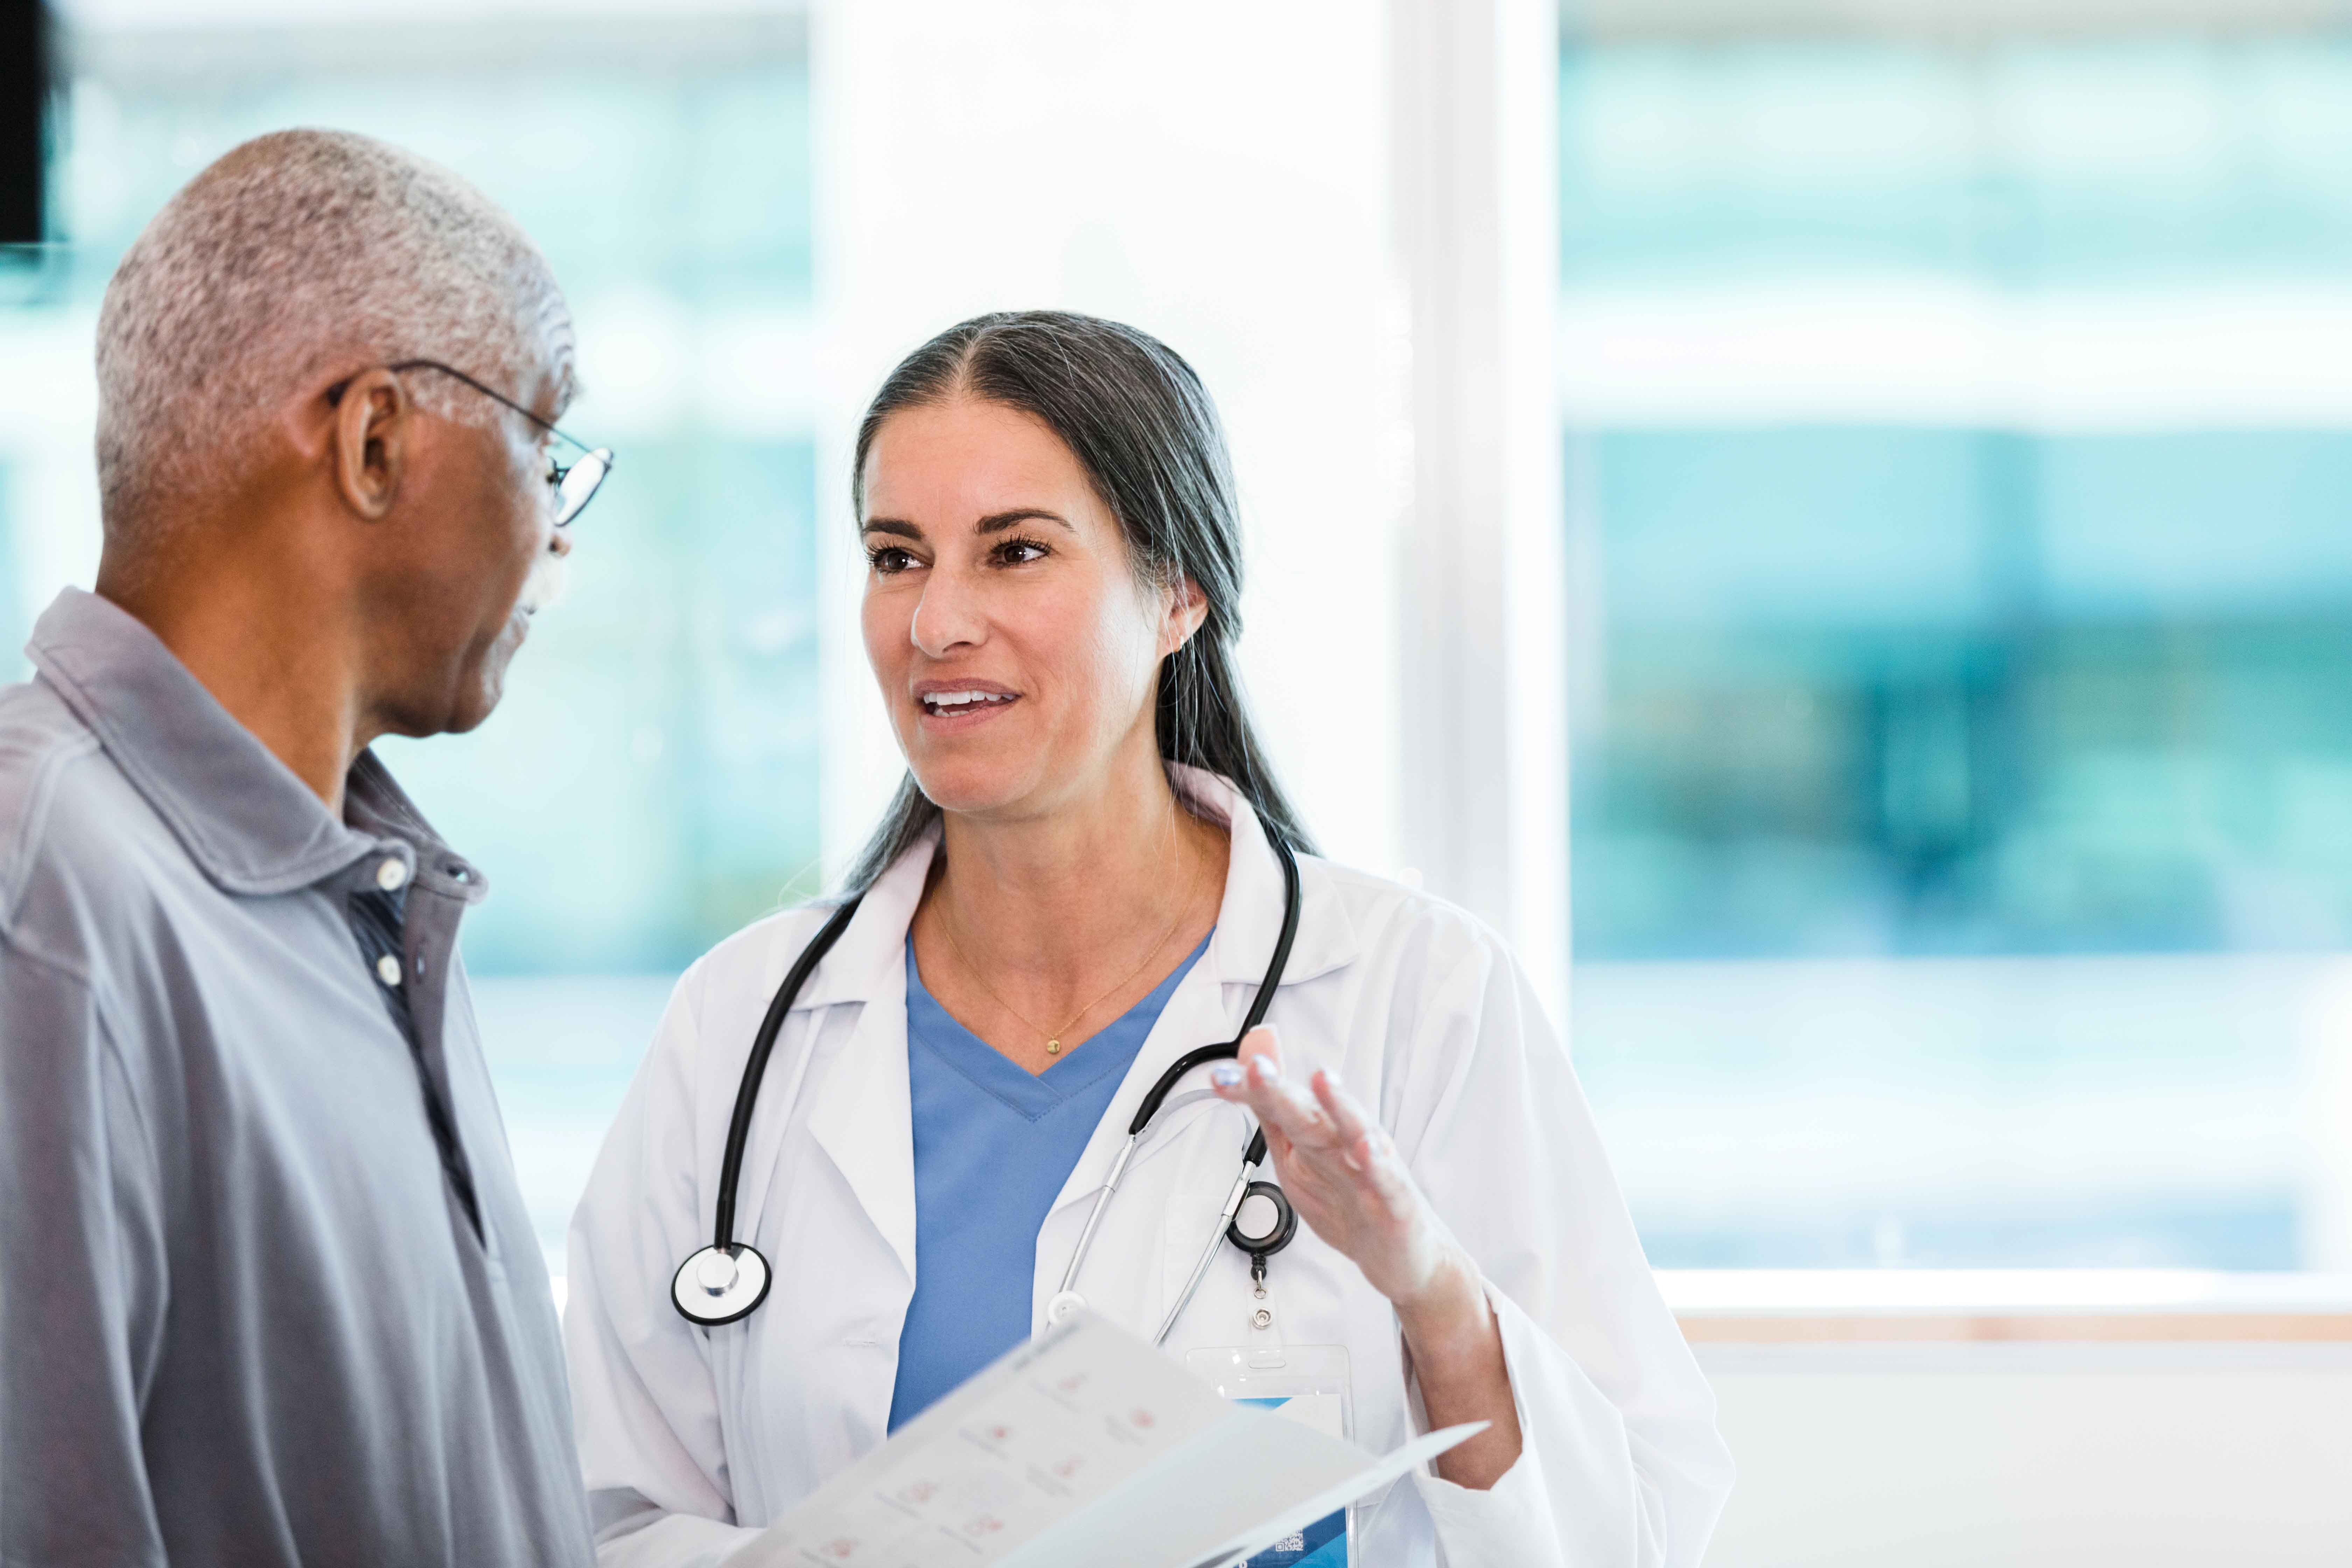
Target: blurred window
{"type": "Point", "coordinates": [1960, 441]}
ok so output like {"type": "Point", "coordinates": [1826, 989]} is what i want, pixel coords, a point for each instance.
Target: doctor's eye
{"type": "Point", "coordinates": [889, 560]}
{"type": "Point", "coordinates": [1018, 551]}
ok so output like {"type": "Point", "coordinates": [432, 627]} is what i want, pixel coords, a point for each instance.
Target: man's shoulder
{"type": "Point", "coordinates": [42, 746]}
{"type": "Point", "coordinates": [68, 815]}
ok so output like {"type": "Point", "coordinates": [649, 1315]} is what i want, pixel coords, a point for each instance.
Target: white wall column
{"type": "Point", "coordinates": [1486, 717]}
{"type": "Point", "coordinates": [1217, 173]}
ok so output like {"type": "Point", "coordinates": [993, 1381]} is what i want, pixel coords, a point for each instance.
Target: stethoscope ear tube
{"type": "Point", "coordinates": [1208, 1255]}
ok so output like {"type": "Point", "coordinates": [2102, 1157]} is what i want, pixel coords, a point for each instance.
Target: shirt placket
{"type": "Point", "coordinates": [405, 931]}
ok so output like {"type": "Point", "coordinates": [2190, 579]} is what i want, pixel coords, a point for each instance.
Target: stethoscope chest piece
{"type": "Point", "coordinates": [718, 1285]}
{"type": "Point", "coordinates": [1066, 1305]}
{"type": "Point", "coordinates": [1264, 1222]}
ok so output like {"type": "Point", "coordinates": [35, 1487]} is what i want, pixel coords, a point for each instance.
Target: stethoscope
{"type": "Point", "coordinates": [726, 1281]}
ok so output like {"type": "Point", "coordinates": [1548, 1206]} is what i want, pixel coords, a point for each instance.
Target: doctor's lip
{"type": "Point", "coordinates": [959, 704]}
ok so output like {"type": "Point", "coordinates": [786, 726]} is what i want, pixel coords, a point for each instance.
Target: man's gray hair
{"type": "Point", "coordinates": [298, 254]}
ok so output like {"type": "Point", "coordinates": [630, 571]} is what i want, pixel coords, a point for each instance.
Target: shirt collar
{"type": "Point", "coordinates": [241, 814]}
{"type": "Point", "coordinates": [869, 959]}
{"type": "Point", "coordinates": [1250, 921]}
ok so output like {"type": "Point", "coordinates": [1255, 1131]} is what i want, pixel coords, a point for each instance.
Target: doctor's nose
{"type": "Point", "coordinates": [946, 618]}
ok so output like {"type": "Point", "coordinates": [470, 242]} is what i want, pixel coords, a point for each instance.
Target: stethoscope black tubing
{"type": "Point", "coordinates": [763, 1044]}
{"type": "Point", "coordinates": [747, 1093]}
{"type": "Point", "coordinates": [1274, 972]}
{"type": "Point", "coordinates": [1227, 1050]}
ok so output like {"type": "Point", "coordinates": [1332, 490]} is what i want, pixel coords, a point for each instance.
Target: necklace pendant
{"type": "Point", "coordinates": [1053, 1048]}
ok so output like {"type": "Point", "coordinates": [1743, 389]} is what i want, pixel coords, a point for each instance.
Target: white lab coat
{"type": "Point", "coordinates": [692, 1438]}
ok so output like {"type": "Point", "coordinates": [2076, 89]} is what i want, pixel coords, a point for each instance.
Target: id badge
{"type": "Point", "coordinates": [1307, 1384]}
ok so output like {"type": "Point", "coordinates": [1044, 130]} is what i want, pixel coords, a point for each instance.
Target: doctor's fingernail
{"type": "Point", "coordinates": [1263, 1070]}
{"type": "Point", "coordinates": [1224, 1075]}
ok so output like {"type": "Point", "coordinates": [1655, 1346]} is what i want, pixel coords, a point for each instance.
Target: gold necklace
{"type": "Point", "coordinates": [1054, 1037]}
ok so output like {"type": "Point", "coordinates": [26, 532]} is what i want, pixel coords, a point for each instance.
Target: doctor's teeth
{"type": "Point", "coordinates": [964, 698]}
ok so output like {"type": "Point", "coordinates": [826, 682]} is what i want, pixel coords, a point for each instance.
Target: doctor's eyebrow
{"type": "Point", "coordinates": [998, 521]}
{"type": "Point", "coordinates": [995, 522]}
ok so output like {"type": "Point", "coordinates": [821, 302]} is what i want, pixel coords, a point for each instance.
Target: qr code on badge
{"type": "Point", "coordinates": [1322, 1544]}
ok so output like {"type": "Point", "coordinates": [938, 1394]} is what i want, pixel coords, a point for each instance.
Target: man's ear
{"type": "Point", "coordinates": [1187, 608]}
{"type": "Point", "coordinates": [375, 422]}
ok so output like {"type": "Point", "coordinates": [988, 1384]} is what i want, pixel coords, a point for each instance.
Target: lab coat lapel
{"type": "Point", "coordinates": [863, 1120]}
{"type": "Point", "coordinates": [861, 1114]}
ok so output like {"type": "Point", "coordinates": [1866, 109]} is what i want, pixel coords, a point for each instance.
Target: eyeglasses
{"type": "Point", "coordinates": [574, 484]}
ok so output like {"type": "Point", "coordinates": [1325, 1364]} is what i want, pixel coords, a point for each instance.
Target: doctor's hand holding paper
{"type": "Point", "coordinates": [880, 1142]}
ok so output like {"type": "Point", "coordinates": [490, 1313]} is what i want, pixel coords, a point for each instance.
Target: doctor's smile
{"type": "Point", "coordinates": [949, 702]}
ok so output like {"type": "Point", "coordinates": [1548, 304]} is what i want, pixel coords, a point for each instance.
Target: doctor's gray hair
{"type": "Point", "coordinates": [295, 255]}
{"type": "Point", "coordinates": [1140, 424]}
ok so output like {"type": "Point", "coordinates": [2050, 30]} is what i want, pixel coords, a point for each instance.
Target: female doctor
{"type": "Point", "coordinates": [1086, 876]}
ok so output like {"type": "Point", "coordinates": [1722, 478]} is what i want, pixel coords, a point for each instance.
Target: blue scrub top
{"type": "Point", "coordinates": [994, 1146]}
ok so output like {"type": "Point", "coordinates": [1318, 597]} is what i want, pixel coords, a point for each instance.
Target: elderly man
{"type": "Point", "coordinates": [268, 1293]}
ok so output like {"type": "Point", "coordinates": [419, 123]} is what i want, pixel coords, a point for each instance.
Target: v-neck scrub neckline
{"type": "Point", "coordinates": [993, 1145]}
{"type": "Point", "coordinates": [1026, 1094]}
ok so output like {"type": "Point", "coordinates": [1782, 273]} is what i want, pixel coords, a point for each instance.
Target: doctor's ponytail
{"type": "Point", "coordinates": [1139, 421]}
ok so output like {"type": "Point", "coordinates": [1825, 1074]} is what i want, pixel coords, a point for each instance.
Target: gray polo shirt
{"type": "Point", "coordinates": [248, 1313]}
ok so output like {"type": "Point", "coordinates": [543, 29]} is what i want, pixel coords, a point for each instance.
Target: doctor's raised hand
{"type": "Point", "coordinates": [883, 1139]}
{"type": "Point", "coordinates": [1340, 1170]}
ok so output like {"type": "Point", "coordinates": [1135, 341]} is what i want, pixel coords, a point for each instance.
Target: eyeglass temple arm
{"type": "Point", "coordinates": [492, 392]}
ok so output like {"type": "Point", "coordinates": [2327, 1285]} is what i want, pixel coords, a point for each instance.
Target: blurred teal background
{"type": "Point", "coordinates": [1901, 690]}
{"type": "Point", "coordinates": [1888, 688]}
{"type": "Point", "coordinates": [1927, 750]}
{"type": "Point", "coordinates": [1962, 807]}
{"type": "Point", "coordinates": [2089, 155]}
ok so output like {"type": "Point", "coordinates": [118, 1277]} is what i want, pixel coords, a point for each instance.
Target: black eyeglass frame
{"type": "Point", "coordinates": [596, 461]}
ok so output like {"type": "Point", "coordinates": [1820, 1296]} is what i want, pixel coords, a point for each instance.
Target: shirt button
{"type": "Point", "coordinates": [392, 876]}
{"type": "Point", "coordinates": [387, 969]}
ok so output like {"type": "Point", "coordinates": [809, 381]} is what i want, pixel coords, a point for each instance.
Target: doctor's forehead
{"type": "Point", "coordinates": [961, 464]}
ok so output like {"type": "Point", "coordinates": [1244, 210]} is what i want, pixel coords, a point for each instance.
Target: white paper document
{"type": "Point", "coordinates": [1086, 1448]}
